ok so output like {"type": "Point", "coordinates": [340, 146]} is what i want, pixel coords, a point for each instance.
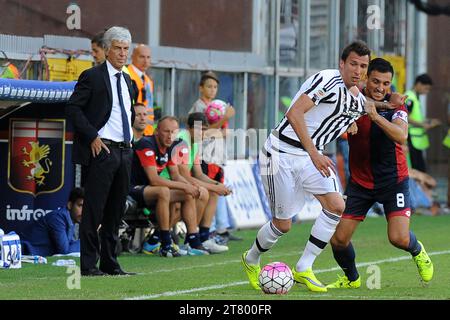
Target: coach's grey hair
{"type": "Point", "coordinates": [116, 33]}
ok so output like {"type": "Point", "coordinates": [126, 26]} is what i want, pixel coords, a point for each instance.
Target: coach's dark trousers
{"type": "Point", "coordinates": [106, 184]}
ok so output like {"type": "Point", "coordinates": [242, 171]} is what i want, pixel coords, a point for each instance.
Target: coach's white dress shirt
{"type": "Point", "coordinates": [113, 127]}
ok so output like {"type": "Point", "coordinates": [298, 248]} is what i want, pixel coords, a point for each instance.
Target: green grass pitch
{"type": "Point", "coordinates": [221, 277]}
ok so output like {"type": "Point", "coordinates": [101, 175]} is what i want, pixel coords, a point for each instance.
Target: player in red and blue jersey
{"type": "Point", "coordinates": [151, 156]}
{"type": "Point", "coordinates": [378, 173]}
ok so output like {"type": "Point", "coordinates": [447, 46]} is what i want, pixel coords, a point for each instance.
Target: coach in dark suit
{"type": "Point", "coordinates": [101, 111]}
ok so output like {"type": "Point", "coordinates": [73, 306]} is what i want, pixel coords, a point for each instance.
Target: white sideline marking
{"type": "Point", "coordinates": [215, 264]}
{"type": "Point", "coordinates": [179, 292]}
{"type": "Point", "coordinates": [238, 283]}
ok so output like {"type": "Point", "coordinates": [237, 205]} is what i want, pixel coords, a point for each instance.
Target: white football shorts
{"type": "Point", "coordinates": [287, 178]}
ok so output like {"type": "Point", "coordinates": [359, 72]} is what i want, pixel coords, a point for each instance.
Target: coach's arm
{"type": "Point", "coordinates": [75, 107]}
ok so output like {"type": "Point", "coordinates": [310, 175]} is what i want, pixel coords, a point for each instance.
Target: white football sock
{"type": "Point", "coordinates": [321, 233]}
{"type": "Point", "coordinates": [265, 239]}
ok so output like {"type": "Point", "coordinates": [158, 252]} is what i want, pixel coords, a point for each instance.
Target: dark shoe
{"type": "Point", "coordinates": [92, 273]}
{"type": "Point", "coordinates": [233, 237]}
{"type": "Point", "coordinates": [170, 252]}
{"type": "Point", "coordinates": [223, 241]}
{"type": "Point", "coordinates": [229, 236]}
{"type": "Point", "coordinates": [119, 272]}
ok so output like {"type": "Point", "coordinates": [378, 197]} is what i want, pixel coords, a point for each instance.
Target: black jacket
{"type": "Point", "coordinates": [89, 108]}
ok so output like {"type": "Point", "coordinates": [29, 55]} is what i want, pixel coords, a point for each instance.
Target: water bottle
{"type": "Point", "coordinates": [34, 259]}
{"type": "Point", "coordinates": [146, 211]}
{"type": "Point", "coordinates": [64, 263]}
{"type": "Point", "coordinates": [39, 260]}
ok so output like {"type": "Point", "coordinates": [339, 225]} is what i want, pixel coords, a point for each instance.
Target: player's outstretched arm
{"type": "Point", "coordinates": [296, 117]}
{"type": "Point", "coordinates": [395, 100]}
{"type": "Point", "coordinates": [380, 104]}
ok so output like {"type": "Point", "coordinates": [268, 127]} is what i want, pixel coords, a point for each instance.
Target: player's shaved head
{"type": "Point", "coordinates": [167, 118]}
{"type": "Point", "coordinates": [141, 57]}
{"type": "Point", "coordinates": [166, 131]}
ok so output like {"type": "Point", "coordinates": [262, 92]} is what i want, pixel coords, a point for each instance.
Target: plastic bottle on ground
{"type": "Point", "coordinates": [40, 260]}
{"type": "Point", "coordinates": [64, 262]}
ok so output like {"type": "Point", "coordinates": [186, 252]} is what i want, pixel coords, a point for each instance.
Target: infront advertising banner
{"type": "Point", "coordinates": [36, 172]}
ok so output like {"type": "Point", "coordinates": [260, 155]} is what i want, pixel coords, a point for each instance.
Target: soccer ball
{"type": "Point", "coordinates": [276, 278]}
{"type": "Point", "coordinates": [216, 110]}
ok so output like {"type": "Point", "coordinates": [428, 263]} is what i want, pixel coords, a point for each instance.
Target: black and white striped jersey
{"type": "Point", "coordinates": [335, 109]}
